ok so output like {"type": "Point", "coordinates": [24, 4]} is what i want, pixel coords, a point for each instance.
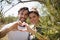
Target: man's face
{"type": "Point", "coordinates": [22, 15]}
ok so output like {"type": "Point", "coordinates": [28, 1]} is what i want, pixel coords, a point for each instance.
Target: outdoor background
{"type": "Point", "coordinates": [49, 11]}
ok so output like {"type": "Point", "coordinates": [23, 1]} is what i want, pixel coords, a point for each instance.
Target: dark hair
{"type": "Point", "coordinates": [35, 12]}
{"type": "Point", "coordinates": [24, 8]}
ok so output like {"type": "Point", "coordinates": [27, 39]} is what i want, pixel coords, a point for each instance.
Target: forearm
{"type": "Point", "coordinates": [38, 35]}
{"type": "Point", "coordinates": [41, 37]}
{"type": "Point", "coordinates": [5, 31]}
{"type": "Point", "coordinates": [30, 30]}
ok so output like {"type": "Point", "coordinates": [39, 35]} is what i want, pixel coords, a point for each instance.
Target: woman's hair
{"type": "Point", "coordinates": [35, 12]}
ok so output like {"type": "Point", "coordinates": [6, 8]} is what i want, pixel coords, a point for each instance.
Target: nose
{"type": "Point", "coordinates": [23, 16]}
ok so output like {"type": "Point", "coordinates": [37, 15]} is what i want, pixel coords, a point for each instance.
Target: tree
{"type": "Point", "coordinates": [53, 18]}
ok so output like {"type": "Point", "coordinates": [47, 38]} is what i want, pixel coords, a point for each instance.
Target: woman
{"type": "Point", "coordinates": [34, 19]}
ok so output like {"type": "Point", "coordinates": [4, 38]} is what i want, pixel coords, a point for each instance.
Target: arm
{"type": "Point", "coordinates": [37, 34]}
{"type": "Point", "coordinates": [41, 37]}
{"type": "Point", "coordinates": [4, 31]}
{"type": "Point", "coordinates": [30, 30]}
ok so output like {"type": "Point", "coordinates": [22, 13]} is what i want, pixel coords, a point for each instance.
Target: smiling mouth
{"type": "Point", "coordinates": [33, 22]}
{"type": "Point", "coordinates": [23, 18]}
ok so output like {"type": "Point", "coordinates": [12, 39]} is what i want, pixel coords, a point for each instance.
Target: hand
{"type": "Point", "coordinates": [22, 26]}
{"type": "Point", "coordinates": [19, 23]}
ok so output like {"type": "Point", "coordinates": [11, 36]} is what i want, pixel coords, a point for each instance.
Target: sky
{"type": "Point", "coordinates": [14, 10]}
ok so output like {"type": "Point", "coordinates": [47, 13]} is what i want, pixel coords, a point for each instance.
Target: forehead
{"type": "Point", "coordinates": [32, 14]}
{"type": "Point", "coordinates": [23, 11]}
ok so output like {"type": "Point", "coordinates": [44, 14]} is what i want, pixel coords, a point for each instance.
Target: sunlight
{"type": "Point", "coordinates": [14, 10]}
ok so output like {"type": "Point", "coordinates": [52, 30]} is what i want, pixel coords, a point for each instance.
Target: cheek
{"type": "Point", "coordinates": [36, 19]}
{"type": "Point", "coordinates": [31, 20]}
{"type": "Point", "coordinates": [25, 17]}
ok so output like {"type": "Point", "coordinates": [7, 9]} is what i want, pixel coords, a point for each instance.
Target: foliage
{"type": "Point", "coordinates": [1, 18]}
{"type": "Point", "coordinates": [10, 19]}
{"type": "Point", "coordinates": [4, 20]}
{"type": "Point", "coordinates": [52, 20]}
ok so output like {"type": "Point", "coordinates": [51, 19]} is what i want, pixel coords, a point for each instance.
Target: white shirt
{"type": "Point", "coordinates": [16, 35]}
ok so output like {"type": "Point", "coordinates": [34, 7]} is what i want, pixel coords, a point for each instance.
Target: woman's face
{"type": "Point", "coordinates": [33, 18]}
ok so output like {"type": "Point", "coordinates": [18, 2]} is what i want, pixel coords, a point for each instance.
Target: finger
{"type": "Point", "coordinates": [20, 23]}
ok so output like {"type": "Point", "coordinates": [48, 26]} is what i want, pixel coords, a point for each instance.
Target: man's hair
{"type": "Point", "coordinates": [24, 8]}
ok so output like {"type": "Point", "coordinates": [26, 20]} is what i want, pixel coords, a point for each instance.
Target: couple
{"type": "Point", "coordinates": [14, 30]}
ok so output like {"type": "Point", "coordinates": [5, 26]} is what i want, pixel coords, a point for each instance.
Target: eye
{"type": "Point", "coordinates": [26, 14]}
{"type": "Point", "coordinates": [34, 16]}
{"type": "Point", "coordinates": [21, 13]}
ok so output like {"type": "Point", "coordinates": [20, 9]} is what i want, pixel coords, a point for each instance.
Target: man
{"type": "Point", "coordinates": [14, 30]}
